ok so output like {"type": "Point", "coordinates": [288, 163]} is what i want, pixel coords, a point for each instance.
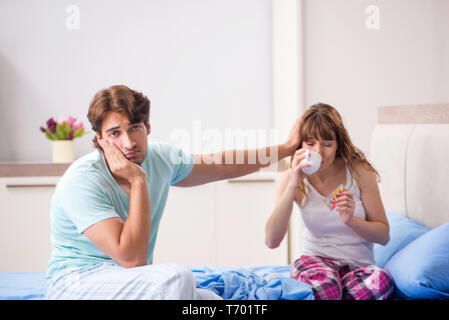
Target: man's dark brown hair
{"type": "Point", "coordinates": [120, 99]}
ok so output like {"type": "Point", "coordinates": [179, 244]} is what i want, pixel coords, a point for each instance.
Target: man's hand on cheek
{"type": "Point", "coordinates": [111, 151]}
{"type": "Point", "coordinates": [118, 164]}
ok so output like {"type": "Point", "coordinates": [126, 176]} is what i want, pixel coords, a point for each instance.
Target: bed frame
{"type": "Point", "coordinates": [410, 150]}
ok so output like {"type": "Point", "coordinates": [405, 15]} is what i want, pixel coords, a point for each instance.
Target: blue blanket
{"type": "Point", "coordinates": [252, 283]}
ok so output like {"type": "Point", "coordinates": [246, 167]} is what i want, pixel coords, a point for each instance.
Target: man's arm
{"type": "Point", "coordinates": [231, 164]}
{"type": "Point", "coordinates": [236, 163]}
{"type": "Point", "coordinates": [125, 242]}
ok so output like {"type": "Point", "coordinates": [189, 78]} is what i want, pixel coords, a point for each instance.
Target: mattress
{"type": "Point", "coordinates": [250, 283]}
{"type": "Point", "coordinates": [22, 285]}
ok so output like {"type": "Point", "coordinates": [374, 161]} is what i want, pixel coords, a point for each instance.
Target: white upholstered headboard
{"type": "Point", "coordinates": [410, 150]}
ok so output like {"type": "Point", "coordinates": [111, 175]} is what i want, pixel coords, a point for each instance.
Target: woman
{"type": "Point", "coordinates": [337, 257]}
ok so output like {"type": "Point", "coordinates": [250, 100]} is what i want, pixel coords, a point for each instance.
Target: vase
{"type": "Point", "coordinates": [63, 151]}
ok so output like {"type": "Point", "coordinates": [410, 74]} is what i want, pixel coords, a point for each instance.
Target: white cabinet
{"type": "Point", "coordinates": [25, 223]}
{"type": "Point", "coordinates": [187, 228]}
{"type": "Point", "coordinates": [243, 208]}
{"type": "Point", "coordinates": [217, 224]}
{"type": "Point", "coordinates": [220, 224]}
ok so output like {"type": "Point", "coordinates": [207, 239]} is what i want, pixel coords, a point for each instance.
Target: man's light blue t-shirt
{"type": "Point", "coordinates": [87, 193]}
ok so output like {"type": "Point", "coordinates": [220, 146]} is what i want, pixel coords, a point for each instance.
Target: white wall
{"type": "Point", "coordinates": [355, 69]}
{"type": "Point", "coordinates": [202, 60]}
{"type": "Point", "coordinates": [215, 61]}
{"type": "Point", "coordinates": [288, 68]}
{"type": "Point", "coordinates": [212, 61]}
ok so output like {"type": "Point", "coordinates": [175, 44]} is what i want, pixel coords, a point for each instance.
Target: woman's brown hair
{"type": "Point", "coordinates": [120, 99]}
{"type": "Point", "coordinates": [323, 121]}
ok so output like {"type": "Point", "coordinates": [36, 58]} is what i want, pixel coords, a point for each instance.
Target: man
{"type": "Point", "coordinates": [107, 206]}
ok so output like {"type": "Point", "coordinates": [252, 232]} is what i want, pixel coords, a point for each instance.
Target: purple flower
{"type": "Point", "coordinates": [51, 122]}
{"type": "Point", "coordinates": [70, 136]}
{"type": "Point", "coordinates": [42, 129]}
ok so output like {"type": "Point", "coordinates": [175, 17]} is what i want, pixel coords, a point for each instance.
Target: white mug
{"type": "Point", "coordinates": [313, 158]}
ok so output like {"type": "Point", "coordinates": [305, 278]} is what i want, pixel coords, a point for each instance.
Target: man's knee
{"type": "Point", "coordinates": [184, 280]}
{"type": "Point", "coordinates": [184, 274]}
{"type": "Point", "coordinates": [169, 281]}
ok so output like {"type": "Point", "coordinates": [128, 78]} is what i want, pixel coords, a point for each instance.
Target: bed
{"type": "Point", "coordinates": [250, 283]}
{"type": "Point", "coordinates": [410, 149]}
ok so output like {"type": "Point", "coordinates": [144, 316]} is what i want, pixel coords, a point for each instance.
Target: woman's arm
{"type": "Point", "coordinates": [277, 224]}
{"type": "Point", "coordinates": [375, 228]}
